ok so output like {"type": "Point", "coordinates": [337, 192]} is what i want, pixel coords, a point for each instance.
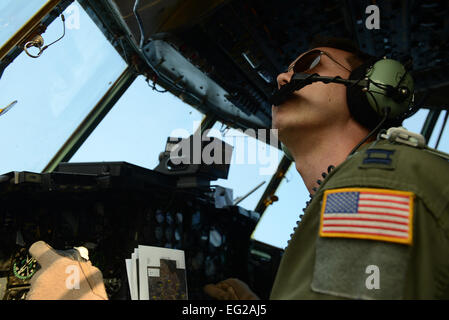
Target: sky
{"type": "Point", "coordinates": [56, 91]}
{"type": "Point", "coordinates": [11, 19]}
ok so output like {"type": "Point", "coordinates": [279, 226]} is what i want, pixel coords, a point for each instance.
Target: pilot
{"type": "Point", "coordinates": [377, 225]}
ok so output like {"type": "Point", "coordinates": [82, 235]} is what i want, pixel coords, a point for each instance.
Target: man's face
{"type": "Point", "coordinates": [318, 105]}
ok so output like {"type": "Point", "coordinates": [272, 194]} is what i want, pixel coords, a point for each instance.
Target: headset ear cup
{"type": "Point", "coordinates": [358, 104]}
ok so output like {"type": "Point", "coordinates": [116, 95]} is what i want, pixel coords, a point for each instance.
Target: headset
{"type": "Point", "coordinates": [380, 92]}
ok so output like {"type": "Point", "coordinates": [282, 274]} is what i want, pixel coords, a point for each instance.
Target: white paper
{"type": "Point", "coordinates": [128, 264]}
{"type": "Point", "coordinates": [151, 257]}
{"type": "Point", "coordinates": [134, 275]}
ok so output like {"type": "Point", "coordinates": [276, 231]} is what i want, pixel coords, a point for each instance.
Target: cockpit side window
{"type": "Point", "coordinates": [54, 92]}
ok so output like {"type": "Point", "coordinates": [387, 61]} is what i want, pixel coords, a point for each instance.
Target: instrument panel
{"type": "Point", "coordinates": [112, 211]}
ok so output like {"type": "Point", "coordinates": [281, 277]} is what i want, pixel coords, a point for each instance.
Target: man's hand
{"type": "Point", "coordinates": [230, 289]}
{"type": "Point", "coordinates": [63, 278]}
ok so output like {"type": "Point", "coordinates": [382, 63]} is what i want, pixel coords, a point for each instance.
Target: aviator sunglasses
{"type": "Point", "coordinates": [310, 60]}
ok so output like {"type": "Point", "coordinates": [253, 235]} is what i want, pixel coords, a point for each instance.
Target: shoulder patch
{"type": "Point", "coordinates": [378, 158]}
{"type": "Point", "coordinates": [362, 213]}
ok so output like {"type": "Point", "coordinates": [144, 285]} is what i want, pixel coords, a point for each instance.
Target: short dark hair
{"type": "Point", "coordinates": [357, 58]}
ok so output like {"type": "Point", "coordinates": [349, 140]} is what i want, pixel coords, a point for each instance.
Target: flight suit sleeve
{"type": "Point", "coordinates": [383, 228]}
{"type": "Point", "coordinates": [377, 228]}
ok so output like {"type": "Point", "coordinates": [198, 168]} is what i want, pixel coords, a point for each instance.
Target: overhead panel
{"type": "Point", "coordinates": [242, 46]}
{"type": "Point", "coordinates": [164, 15]}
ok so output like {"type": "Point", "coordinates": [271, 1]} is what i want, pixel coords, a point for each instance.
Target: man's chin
{"type": "Point", "coordinates": [281, 120]}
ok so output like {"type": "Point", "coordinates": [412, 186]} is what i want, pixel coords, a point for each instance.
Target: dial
{"type": "Point", "coordinates": [24, 266]}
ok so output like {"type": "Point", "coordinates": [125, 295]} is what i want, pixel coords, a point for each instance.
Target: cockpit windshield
{"type": "Point", "coordinates": [54, 92]}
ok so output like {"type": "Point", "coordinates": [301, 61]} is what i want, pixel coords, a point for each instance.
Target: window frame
{"type": "Point", "coordinates": [13, 47]}
{"type": "Point", "coordinates": [93, 119]}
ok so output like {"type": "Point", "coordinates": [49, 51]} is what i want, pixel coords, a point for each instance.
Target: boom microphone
{"type": "Point", "coordinates": [300, 80]}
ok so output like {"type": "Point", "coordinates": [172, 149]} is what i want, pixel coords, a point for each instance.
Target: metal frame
{"type": "Point", "coordinates": [91, 121]}
{"type": "Point", "coordinates": [28, 28]}
{"type": "Point", "coordinates": [11, 51]}
{"type": "Point", "coordinates": [207, 122]}
{"type": "Point", "coordinates": [429, 124]}
{"type": "Point", "coordinates": [443, 126]}
{"type": "Point", "coordinates": [268, 195]}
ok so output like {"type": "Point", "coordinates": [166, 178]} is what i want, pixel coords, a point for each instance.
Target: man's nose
{"type": "Point", "coordinates": [284, 78]}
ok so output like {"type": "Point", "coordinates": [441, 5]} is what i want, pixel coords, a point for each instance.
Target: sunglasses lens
{"type": "Point", "coordinates": [308, 61]}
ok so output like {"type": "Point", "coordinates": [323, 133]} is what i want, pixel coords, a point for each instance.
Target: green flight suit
{"type": "Point", "coordinates": [315, 267]}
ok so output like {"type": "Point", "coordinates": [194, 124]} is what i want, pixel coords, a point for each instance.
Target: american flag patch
{"type": "Point", "coordinates": [377, 214]}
